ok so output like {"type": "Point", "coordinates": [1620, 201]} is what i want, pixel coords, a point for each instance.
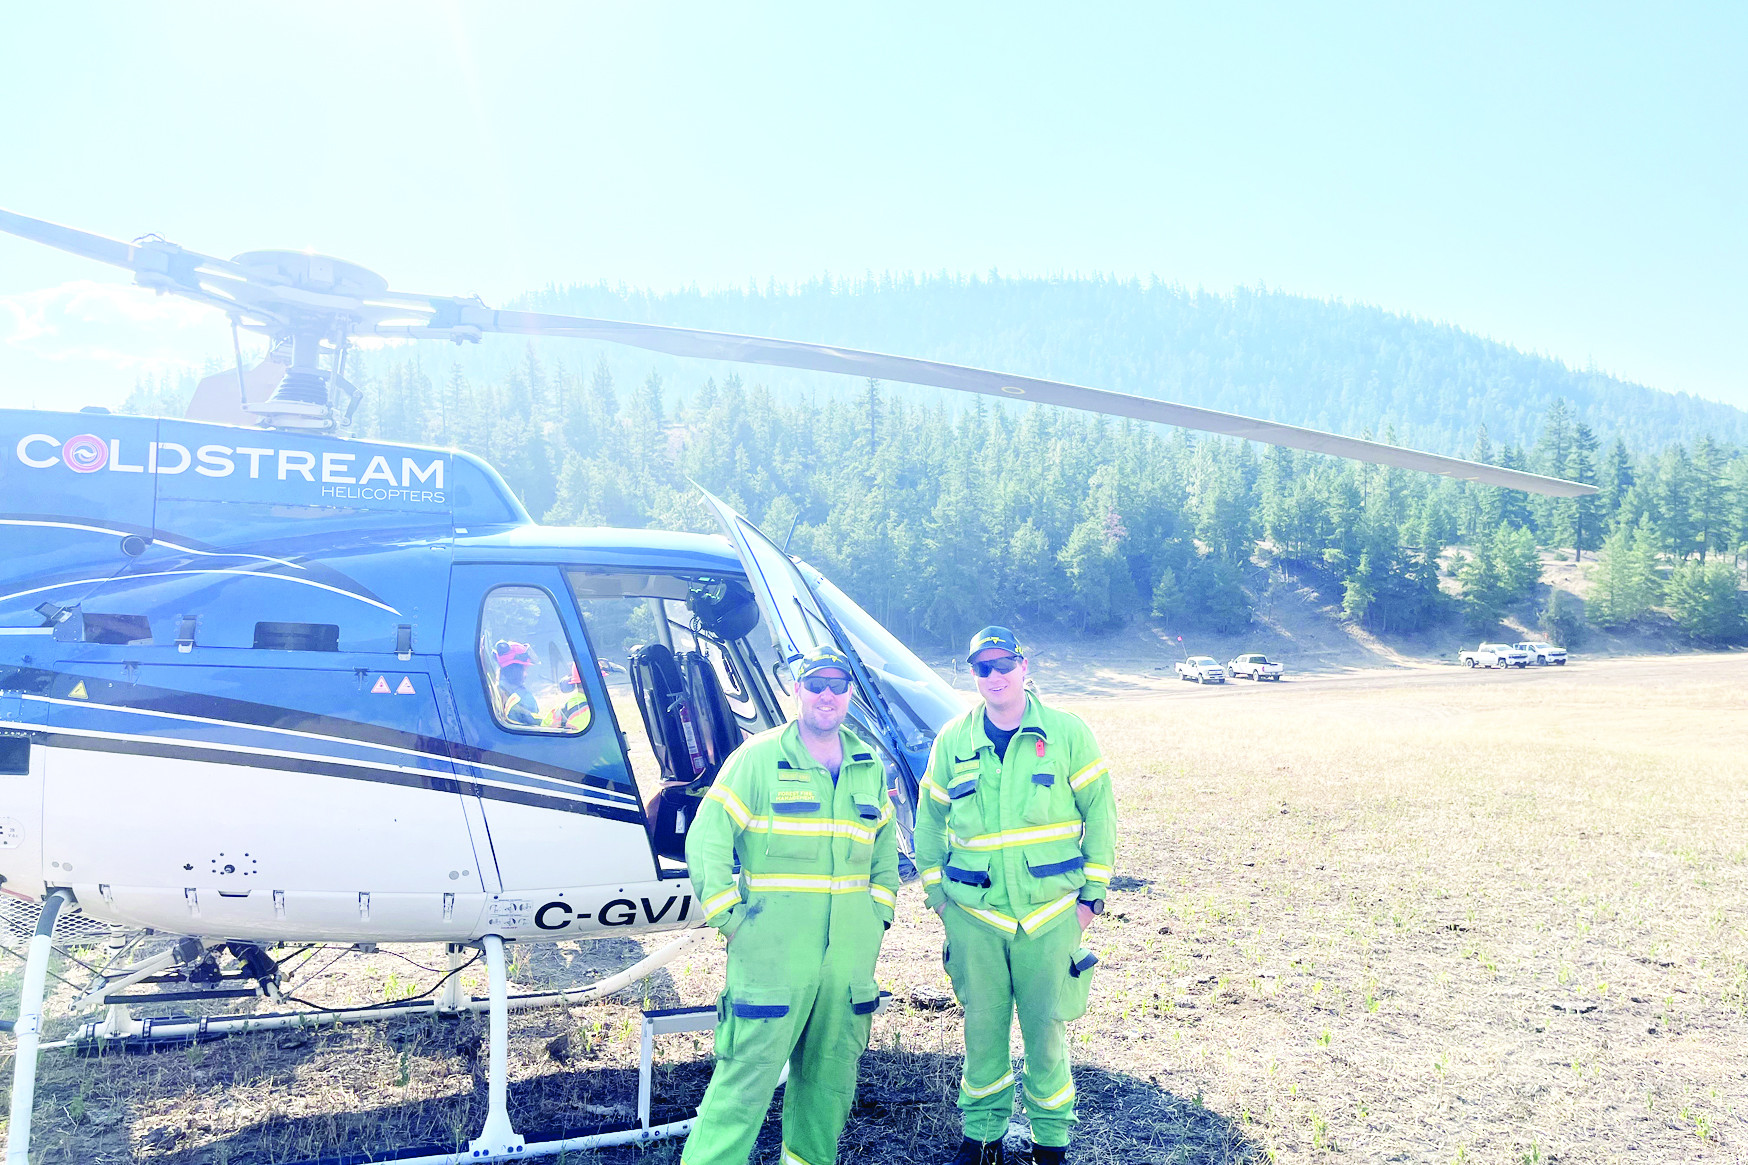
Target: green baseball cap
{"type": "Point", "coordinates": [822, 659]}
{"type": "Point", "coordinates": [993, 637]}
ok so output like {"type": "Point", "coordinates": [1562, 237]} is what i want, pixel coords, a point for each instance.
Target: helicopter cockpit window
{"type": "Point", "coordinates": [529, 667]}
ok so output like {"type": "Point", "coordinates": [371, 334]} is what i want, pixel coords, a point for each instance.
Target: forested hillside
{"type": "Point", "coordinates": [937, 520]}
{"type": "Point", "coordinates": [939, 515]}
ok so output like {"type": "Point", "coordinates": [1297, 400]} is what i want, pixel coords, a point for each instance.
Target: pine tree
{"type": "Point", "coordinates": [1483, 598]}
{"type": "Point", "coordinates": [1673, 499]}
{"type": "Point", "coordinates": [1709, 499]}
{"type": "Point", "coordinates": [1624, 584]}
{"type": "Point", "coordinates": [1580, 512]}
{"type": "Point", "coordinates": [1706, 602]}
{"type": "Point", "coordinates": [1614, 479]}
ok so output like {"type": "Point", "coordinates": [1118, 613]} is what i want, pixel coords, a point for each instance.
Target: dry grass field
{"type": "Point", "coordinates": [1422, 916]}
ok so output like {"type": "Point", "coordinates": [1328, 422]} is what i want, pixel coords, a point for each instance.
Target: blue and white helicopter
{"type": "Point", "coordinates": [262, 683]}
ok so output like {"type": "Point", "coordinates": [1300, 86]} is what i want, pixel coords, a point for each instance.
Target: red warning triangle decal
{"type": "Point", "coordinates": [406, 688]}
{"type": "Point", "coordinates": [381, 686]}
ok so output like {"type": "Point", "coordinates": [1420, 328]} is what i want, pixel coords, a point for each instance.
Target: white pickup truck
{"type": "Point", "coordinates": [1257, 667]}
{"type": "Point", "coordinates": [1202, 669]}
{"type": "Point", "coordinates": [1543, 653]}
{"type": "Point", "coordinates": [1495, 655]}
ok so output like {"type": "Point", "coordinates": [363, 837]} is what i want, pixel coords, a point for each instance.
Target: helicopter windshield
{"type": "Point", "coordinates": [920, 698]}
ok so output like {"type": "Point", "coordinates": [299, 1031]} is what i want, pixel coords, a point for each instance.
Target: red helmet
{"type": "Point", "coordinates": [509, 652]}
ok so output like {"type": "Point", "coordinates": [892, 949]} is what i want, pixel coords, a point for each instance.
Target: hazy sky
{"type": "Point", "coordinates": [1567, 178]}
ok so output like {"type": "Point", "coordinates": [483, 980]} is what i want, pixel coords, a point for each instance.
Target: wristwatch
{"type": "Point", "coordinates": [1096, 905]}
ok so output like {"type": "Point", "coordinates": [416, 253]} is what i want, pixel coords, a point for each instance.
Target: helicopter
{"type": "Point", "coordinates": [264, 682]}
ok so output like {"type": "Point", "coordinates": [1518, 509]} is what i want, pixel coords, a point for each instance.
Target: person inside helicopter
{"type": "Point", "coordinates": [572, 713]}
{"type": "Point", "coordinates": [516, 704]}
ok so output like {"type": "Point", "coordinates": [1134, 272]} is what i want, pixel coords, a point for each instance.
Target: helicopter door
{"type": "Point", "coordinates": [532, 712]}
{"type": "Point", "coordinates": [797, 620]}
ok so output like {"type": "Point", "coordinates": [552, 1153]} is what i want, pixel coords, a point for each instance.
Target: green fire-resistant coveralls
{"type": "Point", "coordinates": [1010, 843]}
{"type": "Point", "coordinates": [817, 886]}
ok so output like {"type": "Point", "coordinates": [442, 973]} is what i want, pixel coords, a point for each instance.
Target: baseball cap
{"type": "Point", "coordinates": [821, 659]}
{"type": "Point", "coordinates": [993, 637]}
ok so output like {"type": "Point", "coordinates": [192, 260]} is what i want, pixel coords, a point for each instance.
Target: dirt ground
{"type": "Point", "coordinates": [1395, 913]}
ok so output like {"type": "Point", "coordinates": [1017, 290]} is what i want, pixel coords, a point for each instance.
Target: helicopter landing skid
{"type": "Point", "coordinates": [28, 1027]}
{"type": "Point", "coordinates": [498, 1140]}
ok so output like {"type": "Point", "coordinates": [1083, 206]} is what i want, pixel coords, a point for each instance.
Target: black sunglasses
{"type": "Point", "coordinates": [838, 685]}
{"type": "Point", "coordinates": [1003, 664]}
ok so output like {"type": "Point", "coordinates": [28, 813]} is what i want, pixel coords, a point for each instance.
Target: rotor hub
{"type": "Point", "coordinates": [321, 274]}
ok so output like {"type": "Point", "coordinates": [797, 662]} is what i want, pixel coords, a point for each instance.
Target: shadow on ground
{"type": "Point", "coordinates": [904, 1114]}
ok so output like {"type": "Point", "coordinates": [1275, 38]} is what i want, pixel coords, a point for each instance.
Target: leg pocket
{"type": "Point", "coordinates": [864, 1002]}
{"type": "Point", "coordinates": [947, 966]}
{"type": "Point", "coordinates": [754, 1025]}
{"type": "Point", "coordinates": [1071, 1002]}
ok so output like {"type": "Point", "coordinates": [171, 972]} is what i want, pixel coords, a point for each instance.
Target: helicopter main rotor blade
{"type": "Point", "coordinates": [909, 370]}
{"type": "Point", "coordinates": [156, 264]}
{"type": "Point", "coordinates": [79, 242]}
{"type": "Point", "coordinates": [153, 260]}
{"type": "Point", "coordinates": [255, 301]}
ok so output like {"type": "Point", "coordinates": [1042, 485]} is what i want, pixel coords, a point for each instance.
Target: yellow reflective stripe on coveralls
{"type": "Point", "coordinates": [721, 902]}
{"type": "Point", "coordinates": [882, 894]}
{"type": "Point", "coordinates": [931, 875]}
{"type": "Point", "coordinates": [1007, 1081]}
{"type": "Point", "coordinates": [827, 827]}
{"type": "Point", "coordinates": [805, 883]}
{"type": "Point", "coordinates": [734, 806]}
{"type": "Point", "coordinates": [1088, 775]}
{"type": "Point", "coordinates": [1037, 918]}
{"type": "Point", "coordinates": [1032, 922]}
{"type": "Point", "coordinates": [1096, 873]}
{"type": "Point", "coordinates": [937, 793]}
{"type": "Point", "coordinates": [995, 918]}
{"type": "Point", "coordinates": [1056, 1099]}
{"type": "Point", "coordinates": [1056, 831]}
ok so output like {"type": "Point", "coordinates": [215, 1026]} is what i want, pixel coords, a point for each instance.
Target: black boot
{"type": "Point", "coordinates": [1049, 1155]}
{"type": "Point", "coordinates": [977, 1153]}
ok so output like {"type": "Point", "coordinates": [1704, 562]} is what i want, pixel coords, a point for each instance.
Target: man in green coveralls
{"type": "Point", "coordinates": [805, 809]}
{"type": "Point", "coordinates": [1016, 831]}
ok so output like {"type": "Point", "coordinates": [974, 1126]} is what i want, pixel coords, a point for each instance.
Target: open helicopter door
{"type": "Point", "coordinates": [800, 621]}
{"type": "Point", "coordinates": [691, 729]}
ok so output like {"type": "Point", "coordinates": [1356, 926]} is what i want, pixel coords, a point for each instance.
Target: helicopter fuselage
{"type": "Point", "coordinates": [249, 689]}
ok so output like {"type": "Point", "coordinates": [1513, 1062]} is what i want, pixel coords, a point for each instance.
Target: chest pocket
{"type": "Point", "coordinates": [1051, 800]}
{"type": "Point", "coordinates": [964, 809]}
{"type": "Point", "coordinates": [864, 821]}
{"type": "Point", "coordinates": [797, 825]}
{"type": "Point", "coordinates": [867, 810]}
